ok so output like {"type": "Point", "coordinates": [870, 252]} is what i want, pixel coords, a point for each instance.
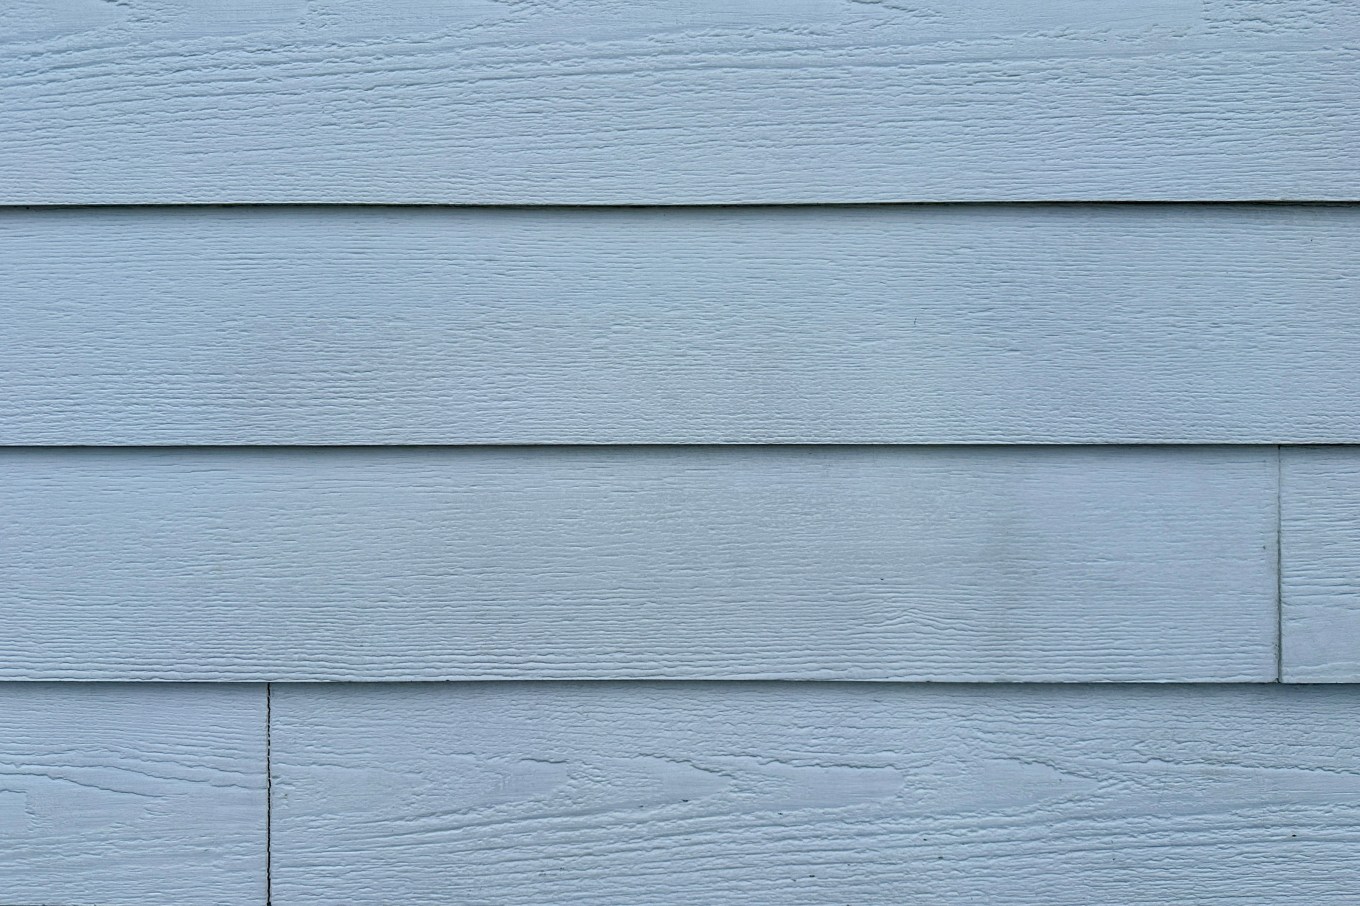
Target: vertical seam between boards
{"type": "Point", "coordinates": [1279, 563]}
{"type": "Point", "coordinates": [268, 795]}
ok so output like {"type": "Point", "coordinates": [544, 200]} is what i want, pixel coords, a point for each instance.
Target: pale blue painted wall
{"type": "Point", "coordinates": [662, 453]}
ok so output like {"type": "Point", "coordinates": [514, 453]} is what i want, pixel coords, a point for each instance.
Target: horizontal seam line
{"type": "Point", "coordinates": [678, 206]}
{"type": "Point", "coordinates": [658, 446]}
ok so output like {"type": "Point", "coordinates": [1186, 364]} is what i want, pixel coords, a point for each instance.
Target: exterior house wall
{"type": "Point", "coordinates": [661, 453]}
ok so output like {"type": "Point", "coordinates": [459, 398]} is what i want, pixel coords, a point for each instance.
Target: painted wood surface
{"type": "Point", "coordinates": [721, 562]}
{"type": "Point", "coordinates": [947, 324]}
{"type": "Point", "coordinates": [1320, 564]}
{"type": "Point", "coordinates": [124, 795]}
{"type": "Point", "coordinates": [816, 793]}
{"type": "Point", "coordinates": [657, 102]}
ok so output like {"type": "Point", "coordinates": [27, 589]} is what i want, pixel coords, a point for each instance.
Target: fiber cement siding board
{"type": "Point", "coordinates": [1320, 564]}
{"type": "Point", "coordinates": [987, 324]}
{"type": "Point", "coordinates": [123, 795]}
{"type": "Point", "coordinates": [656, 102]}
{"type": "Point", "coordinates": [812, 793]}
{"type": "Point", "coordinates": [920, 563]}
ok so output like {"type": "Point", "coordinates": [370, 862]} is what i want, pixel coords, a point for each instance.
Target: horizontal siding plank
{"type": "Point", "coordinates": [122, 795]}
{"type": "Point", "coordinates": [1047, 324]}
{"type": "Point", "coordinates": [1037, 563]}
{"type": "Point", "coordinates": [1320, 564]}
{"type": "Point", "coordinates": [643, 102]}
{"type": "Point", "coordinates": [815, 793]}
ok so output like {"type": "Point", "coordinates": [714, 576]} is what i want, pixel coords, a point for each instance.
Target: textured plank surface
{"type": "Point", "coordinates": [658, 102]}
{"type": "Point", "coordinates": [1320, 564]}
{"type": "Point", "coordinates": [121, 794]}
{"type": "Point", "coordinates": [870, 563]}
{"type": "Point", "coordinates": [955, 324]}
{"type": "Point", "coordinates": [815, 794]}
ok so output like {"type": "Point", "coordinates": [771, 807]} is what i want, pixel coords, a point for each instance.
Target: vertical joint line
{"type": "Point", "coordinates": [1279, 564]}
{"type": "Point", "coordinates": [268, 795]}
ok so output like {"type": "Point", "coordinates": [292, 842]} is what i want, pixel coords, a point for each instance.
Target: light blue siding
{"type": "Point", "coordinates": [661, 102]}
{"type": "Point", "coordinates": [986, 324]}
{"type": "Point", "coordinates": [968, 355]}
{"type": "Point", "coordinates": [815, 794]}
{"type": "Point", "coordinates": [906, 563]}
{"type": "Point", "coordinates": [1320, 559]}
{"type": "Point", "coordinates": [124, 795]}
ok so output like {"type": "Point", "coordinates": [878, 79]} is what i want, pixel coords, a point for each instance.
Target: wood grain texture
{"type": "Point", "coordinates": [1320, 564]}
{"type": "Point", "coordinates": [777, 794]}
{"type": "Point", "coordinates": [656, 102]}
{"type": "Point", "coordinates": [1051, 324]}
{"type": "Point", "coordinates": [124, 795]}
{"type": "Point", "coordinates": [721, 562]}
